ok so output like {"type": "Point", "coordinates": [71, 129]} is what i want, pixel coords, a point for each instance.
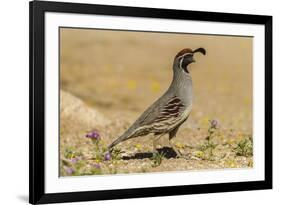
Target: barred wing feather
{"type": "Point", "coordinates": [162, 118]}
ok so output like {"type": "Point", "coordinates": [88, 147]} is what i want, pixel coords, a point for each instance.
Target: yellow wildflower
{"type": "Point", "coordinates": [132, 84]}
{"type": "Point", "coordinates": [155, 87]}
{"type": "Point", "coordinates": [138, 146]}
{"type": "Point", "coordinates": [231, 163]}
{"type": "Point", "coordinates": [179, 145]}
{"type": "Point", "coordinates": [199, 154]}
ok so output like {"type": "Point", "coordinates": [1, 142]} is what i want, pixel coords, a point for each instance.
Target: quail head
{"type": "Point", "coordinates": [167, 114]}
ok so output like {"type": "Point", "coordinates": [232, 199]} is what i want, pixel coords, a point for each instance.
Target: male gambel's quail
{"type": "Point", "coordinates": [172, 109]}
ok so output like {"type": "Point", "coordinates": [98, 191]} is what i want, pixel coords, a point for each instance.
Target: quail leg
{"type": "Point", "coordinates": [172, 134]}
{"type": "Point", "coordinates": [179, 154]}
{"type": "Point", "coordinates": [155, 140]}
{"type": "Point", "coordinates": [154, 145]}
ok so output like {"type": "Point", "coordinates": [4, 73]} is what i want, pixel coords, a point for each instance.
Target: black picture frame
{"type": "Point", "coordinates": [37, 9]}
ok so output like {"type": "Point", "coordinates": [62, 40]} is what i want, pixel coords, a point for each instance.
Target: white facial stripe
{"type": "Point", "coordinates": [185, 55]}
{"type": "Point", "coordinates": [181, 63]}
{"type": "Point", "coordinates": [182, 57]}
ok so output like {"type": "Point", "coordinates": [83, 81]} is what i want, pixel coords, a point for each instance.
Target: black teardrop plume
{"type": "Point", "coordinates": [201, 50]}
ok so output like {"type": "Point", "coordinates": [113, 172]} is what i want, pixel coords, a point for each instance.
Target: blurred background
{"type": "Point", "coordinates": [124, 72]}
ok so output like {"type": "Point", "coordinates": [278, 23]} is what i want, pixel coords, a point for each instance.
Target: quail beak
{"type": "Point", "coordinates": [193, 60]}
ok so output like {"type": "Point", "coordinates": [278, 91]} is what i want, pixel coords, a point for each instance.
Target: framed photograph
{"type": "Point", "coordinates": [140, 102]}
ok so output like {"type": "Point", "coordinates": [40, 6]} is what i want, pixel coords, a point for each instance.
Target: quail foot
{"type": "Point", "coordinates": [171, 110]}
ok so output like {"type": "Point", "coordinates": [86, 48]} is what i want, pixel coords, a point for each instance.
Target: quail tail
{"type": "Point", "coordinates": [125, 136]}
{"type": "Point", "coordinates": [117, 141]}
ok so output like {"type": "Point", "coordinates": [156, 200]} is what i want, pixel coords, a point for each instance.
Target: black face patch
{"type": "Point", "coordinates": [185, 61]}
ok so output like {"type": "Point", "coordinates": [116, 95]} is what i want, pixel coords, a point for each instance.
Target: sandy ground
{"type": "Point", "coordinates": [109, 78]}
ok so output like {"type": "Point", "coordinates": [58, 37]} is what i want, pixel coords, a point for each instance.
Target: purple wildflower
{"type": "Point", "coordinates": [107, 156]}
{"type": "Point", "coordinates": [69, 170]}
{"type": "Point", "coordinates": [93, 135]}
{"type": "Point", "coordinates": [214, 124]}
{"type": "Point", "coordinates": [97, 166]}
{"type": "Point", "coordinates": [74, 160]}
